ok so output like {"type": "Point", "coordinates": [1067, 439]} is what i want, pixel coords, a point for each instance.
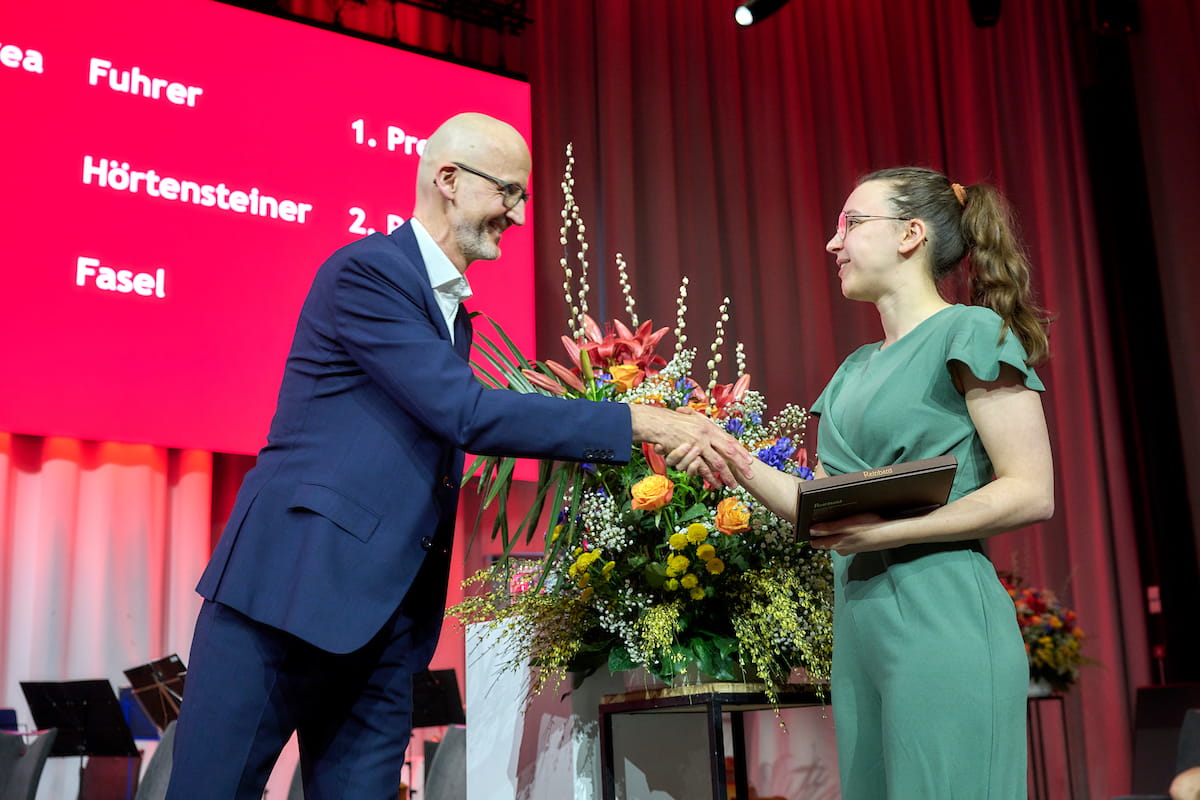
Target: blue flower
{"type": "Point", "coordinates": [777, 454]}
{"type": "Point", "coordinates": [755, 419]}
{"type": "Point", "coordinates": [735, 426]}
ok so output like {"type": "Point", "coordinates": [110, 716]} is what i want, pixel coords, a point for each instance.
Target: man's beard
{"type": "Point", "coordinates": [475, 241]}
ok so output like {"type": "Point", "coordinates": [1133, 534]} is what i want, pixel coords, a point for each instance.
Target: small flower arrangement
{"type": "Point", "coordinates": [645, 565]}
{"type": "Point", "coordinates": [1053, 639]}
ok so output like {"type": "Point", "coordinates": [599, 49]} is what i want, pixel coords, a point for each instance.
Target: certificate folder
{"type": "Point", "coordinates": [899, 490]}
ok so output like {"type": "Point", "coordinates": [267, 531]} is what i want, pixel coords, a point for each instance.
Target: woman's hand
{"type": "Point", "coordinates": [858, 533]}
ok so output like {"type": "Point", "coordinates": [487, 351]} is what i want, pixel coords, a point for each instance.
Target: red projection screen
{"type": "Point", "coordinates": [173, 175]}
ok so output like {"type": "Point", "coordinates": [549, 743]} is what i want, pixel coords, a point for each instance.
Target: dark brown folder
{"type": "Point", "coordinates": [899, 490]}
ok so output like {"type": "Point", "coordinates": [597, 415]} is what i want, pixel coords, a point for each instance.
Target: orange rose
{"type": "Point", "coordinates": [732, 516]}
{"type": "Point", "coordinates": [626, 376]}
{"type": "Point", "coordinates": [652, 492]}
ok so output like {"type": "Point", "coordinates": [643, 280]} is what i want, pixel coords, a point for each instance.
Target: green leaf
{"type": "Point", "coordinates": [695, 512]}
{"type": "Point", "coordinates": [529, 523]}
{"type": "Point", "coordinates": [561, 479]}
{"type": "Point", "coordinates": [501, 483]}
{"type": "Point", "coordinates": [619, 659]}
{"type": "Point", "coordinates": [516, 380]}
{"type": "Point", "coordinates": [656, 574]}
{"type": "Point", "coordinates": [509, 342]}
{"type": "Point", "coordinates": [485, 377]}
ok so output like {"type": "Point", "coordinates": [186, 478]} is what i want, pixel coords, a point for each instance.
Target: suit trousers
{"type": "Point", "coordinates": [250, 686]}
{"type": "Point", "coordinates": [929, 677]}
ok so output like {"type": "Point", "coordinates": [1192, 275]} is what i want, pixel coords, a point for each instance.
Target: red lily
{"type": "Point", "coordinates": [618, 345]}
{"type": "Point", "coordinates": [541, 381]}
{"type": "Point", "coordinates": [565, 375]}
{"type": "Point", "coordinates": [656, 461]}
{"type": "Point", "coordinates": [723, 394]}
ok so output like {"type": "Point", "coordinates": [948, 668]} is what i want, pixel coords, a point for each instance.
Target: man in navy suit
{"type": "Point", "coordinates": [326, 591]}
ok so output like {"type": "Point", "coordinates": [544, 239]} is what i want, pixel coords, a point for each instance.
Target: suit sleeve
{"type": "Point", "coordinates": [382, 322]}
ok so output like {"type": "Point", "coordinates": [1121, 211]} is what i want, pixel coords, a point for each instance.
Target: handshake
{"type": "Point", "coordinates": [692, 443]}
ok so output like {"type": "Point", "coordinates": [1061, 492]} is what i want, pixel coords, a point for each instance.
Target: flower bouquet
{"type": "Point", "coordinates": [645, 566]}
{"type": "Point", "coordinates": [1053, 640]}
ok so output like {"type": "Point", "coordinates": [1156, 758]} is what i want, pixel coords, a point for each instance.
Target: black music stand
{"type": "Point", "coordinates": [158, 688]}
{"type": "Point", "coordinates": [87, 715]}
{"type": "Point", "coordinates": [436, 700]}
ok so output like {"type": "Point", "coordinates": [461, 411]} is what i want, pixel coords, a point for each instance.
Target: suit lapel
{"type": "Point", "coordinates": [463, 332]}
{"type": "Point", "coordinates": [407, 241]}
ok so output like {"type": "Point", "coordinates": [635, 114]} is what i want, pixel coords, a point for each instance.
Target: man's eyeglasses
{"type": "Point", "coordinates": [514, 193]}
{"type": "Point", "coordinates": [848, 221]}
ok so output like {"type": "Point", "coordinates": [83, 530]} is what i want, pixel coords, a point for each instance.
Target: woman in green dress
{"type": "Point", "coordinates": [929, 669]}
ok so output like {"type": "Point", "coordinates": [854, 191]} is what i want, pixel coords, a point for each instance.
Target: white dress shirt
{"type": "Point", "coordinates": [450, 286]}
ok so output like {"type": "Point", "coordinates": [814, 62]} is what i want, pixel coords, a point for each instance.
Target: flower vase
{"type": "Point", "coordinates": [1040, 687]}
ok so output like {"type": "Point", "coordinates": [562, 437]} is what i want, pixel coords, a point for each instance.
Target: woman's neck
{"type": "Point", "coordinates": [902, 311]}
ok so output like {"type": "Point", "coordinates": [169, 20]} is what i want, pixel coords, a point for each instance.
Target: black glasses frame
{"type": "Point", "coordinates": [514, 193]}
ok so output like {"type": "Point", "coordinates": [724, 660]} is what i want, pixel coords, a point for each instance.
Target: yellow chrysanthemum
{"type": "Point", "coordinates": [672, 584]}
{"type": "Point", "coordinates": [705, 552]}
{"type": "Point", "coordinates": [554, 534]}
{"type": "Point", "coordinates": [689, 581]}
{"type": "Point", "coordinates": [584, 580]}
{"type": "Point", "coordinates": [715, 565]}
{"type": "Point", "coordinates": [696, 533]}
{"type": "Point", "coordinates": [678, 541]}
{"type": "Point", "coordinates": [608, 568]}
{"type": "Point", "coordinates": [698, 593]}
{"type": "Point", "coordinates": [678, 563]}
{"type": "Point", "coordinates": [587, 594]}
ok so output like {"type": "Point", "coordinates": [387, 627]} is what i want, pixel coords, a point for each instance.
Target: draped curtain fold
{"type": "Point", "coordinates": [722, 154]}
{"type": "Point", "coordinates": [100, 548]}
{"type": "Point", "coordinates": [1166, 69]}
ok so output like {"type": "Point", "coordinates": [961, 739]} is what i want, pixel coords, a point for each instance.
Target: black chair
{"type": "Point", "coordinates": [1187, 754]}
{"type": "Point", "coordinates": [447, 776]}
{"type": "Point", "coordinates": [110, 778]}
{"type": "Point", "coordinates": [12, 746]}
{"type": "Point", "coordinates": [22, 782]}
{"type": "Point", "coordinates": [158, 771]}
{"type": "Point", "coordinates": [296, 790]}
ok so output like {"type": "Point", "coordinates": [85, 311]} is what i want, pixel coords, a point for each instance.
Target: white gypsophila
{"type": "Point", "coordinates": [788, 421]}
{"type": "Point", "coordinates": [603, 521]}
{"type": "Point", "coordinates": [753, 403]}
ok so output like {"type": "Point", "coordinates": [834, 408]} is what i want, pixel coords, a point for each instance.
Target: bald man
{"type": "Point", "coordinates": [326, 591]}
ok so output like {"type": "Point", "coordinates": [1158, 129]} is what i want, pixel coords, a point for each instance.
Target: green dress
{"type": "Point", "coordinates": [930, 674]}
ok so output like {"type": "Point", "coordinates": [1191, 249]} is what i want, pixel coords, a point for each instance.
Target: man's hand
{"type": "Point", "coordinates": [712, 450]}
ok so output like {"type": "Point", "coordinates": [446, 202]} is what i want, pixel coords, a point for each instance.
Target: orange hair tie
{"type": "Point", "coordinates": [960, 193]}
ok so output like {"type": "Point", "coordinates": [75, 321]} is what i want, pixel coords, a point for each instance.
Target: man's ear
{"type": "Point", "coordinates": [915, 234]}
{"type": "Point", "coordinates": [446, 180]}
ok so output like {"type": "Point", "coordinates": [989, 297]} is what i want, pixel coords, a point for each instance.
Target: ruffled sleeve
{"type": "Point", "coordinates": [976, 343]}
{"type": "Point", "coordinates": [818, 406]}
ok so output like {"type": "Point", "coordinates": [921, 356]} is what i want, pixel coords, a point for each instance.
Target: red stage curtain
{"type": "Point", "coordinates": [100, 548]}
{"type": "Point", "coordinates": [1166, 68]}
{"type": "Point", "coordinates": [725, 154]}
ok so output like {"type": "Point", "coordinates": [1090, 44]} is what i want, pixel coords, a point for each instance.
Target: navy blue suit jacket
{"type": "Point", "coordinates": [358, 484]}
